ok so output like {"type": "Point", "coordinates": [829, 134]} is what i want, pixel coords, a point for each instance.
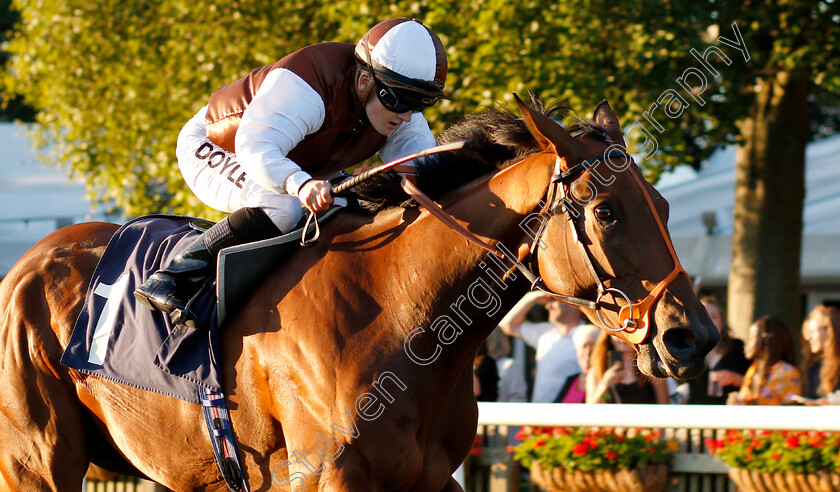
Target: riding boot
{"type": "Point", "coordinates": [171, 288]}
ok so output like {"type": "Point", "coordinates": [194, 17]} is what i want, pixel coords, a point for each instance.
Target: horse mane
{"type": "Point", "coordinates": [497, 136]}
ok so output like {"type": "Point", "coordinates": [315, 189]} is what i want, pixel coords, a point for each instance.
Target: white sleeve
{"type": "Point", "coordinates": [531, 332]}
{"type": "Point", "coordinates": [284, 110]}
{"type": "Point", "coordinates": [409, 138]}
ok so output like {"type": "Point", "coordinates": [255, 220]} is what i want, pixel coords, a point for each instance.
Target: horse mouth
{"type": "Point", "coordinates": [678, 353]}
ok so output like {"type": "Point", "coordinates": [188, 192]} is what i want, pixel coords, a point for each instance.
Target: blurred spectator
{"type": "Point", "coordinates": [485, 376]}
{"type": "Point", "coordinates": [574, 390]}
{"type": "Point", "coordinates": [726, 363]}
{"type": "Point", "coordinates": [512, 384]}
{"type": "Point", "coordinates": [771, 379]}
{"type": "Point", "coordinates": [552, 339]}
{"type": "Point", "coordinates": [821, 361]}
{"type": "Point", "coordinates": [614, 378]}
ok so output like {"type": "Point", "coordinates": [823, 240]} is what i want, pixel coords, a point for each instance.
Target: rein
{"type": "Point", "coordinates": [634, 317]}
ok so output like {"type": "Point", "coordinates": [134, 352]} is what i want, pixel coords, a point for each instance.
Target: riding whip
{"type": "Point", "coordinates": [349, 183]}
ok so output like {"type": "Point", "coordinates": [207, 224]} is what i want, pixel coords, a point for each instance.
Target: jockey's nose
{"type": "Point", "coordinates": [406, 116]}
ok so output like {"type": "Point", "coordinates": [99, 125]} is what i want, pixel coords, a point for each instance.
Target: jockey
{"type": "Point", "coordinates": [262, 146]}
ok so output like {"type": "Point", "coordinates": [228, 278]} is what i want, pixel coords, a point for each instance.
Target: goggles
{"type": "Point", "coordinates": [402, 101]}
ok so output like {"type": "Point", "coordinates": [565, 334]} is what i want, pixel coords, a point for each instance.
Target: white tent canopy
{"type": "Point", "coordinates": [712, 191]}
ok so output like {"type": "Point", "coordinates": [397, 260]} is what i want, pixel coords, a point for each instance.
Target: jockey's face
{"type": "Point", "coordinates": [382, 120]}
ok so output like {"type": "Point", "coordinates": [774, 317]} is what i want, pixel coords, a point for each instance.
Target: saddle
{"type": "Point", "coordinates": [240, 267]}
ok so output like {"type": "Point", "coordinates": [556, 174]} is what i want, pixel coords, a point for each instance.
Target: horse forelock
{"type": "Point", "coordinates": [498, 138]}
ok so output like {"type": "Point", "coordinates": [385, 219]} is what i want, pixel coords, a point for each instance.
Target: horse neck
{"type": "Point", "coordinates": [457, 280]}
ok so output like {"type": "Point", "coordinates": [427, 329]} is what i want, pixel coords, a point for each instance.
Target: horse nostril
{"type": "Point", "coordinates": [680, 340]}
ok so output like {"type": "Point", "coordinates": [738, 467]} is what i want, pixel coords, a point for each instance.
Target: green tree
{"type": "Point", "coordinates": [115, 81]}
{"type": "Point", "coordinates": [11, 105]}
{"type": "Point", "coordinates": [795, 49]}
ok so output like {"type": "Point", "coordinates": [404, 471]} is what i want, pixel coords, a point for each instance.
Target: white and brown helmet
{"type": "Point", "coordinates": [407, 61]}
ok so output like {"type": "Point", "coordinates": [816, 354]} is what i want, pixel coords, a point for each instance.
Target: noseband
{"type": "Point", "coordinates": [634, 318]}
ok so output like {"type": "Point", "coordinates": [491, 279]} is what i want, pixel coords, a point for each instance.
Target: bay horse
{"type": "Point", "coordinates": [350, 367]}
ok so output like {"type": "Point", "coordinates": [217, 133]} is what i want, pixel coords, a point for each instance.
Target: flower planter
{"type": "Point", "coordinates": [757, 481]}
{"type": "Point", "coordinates": [649, 479]}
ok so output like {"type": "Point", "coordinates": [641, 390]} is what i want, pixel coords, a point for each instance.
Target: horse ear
{"type": "Point", "coordinates": [604, 116]}
{"type": "Point", "coordinates": [550, 136]}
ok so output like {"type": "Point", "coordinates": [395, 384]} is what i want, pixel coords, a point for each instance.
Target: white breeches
{"type": "Point", "coordinates": [214, 176]}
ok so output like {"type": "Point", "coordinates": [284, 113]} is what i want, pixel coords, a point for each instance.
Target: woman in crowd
{"type": "Point", "coordinates": [821, 361]}
{"type": "Point", "coordinates": [574, 389]}
{"type": "Point", "coordinates": [614, 378]}
{"type": "Point", "coordinates": [772, 378]}
{"type": "Point", "coordinates": [726, 363]}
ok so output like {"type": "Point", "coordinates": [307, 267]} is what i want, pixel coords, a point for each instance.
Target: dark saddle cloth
{"type": "Point", "coordinates": [118, 339]}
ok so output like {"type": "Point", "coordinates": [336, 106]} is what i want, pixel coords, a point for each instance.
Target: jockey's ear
{"type": "Point", "coordinates": [550, 136]}
{"type": "Point", "coordinates": [605, 117]}
{"type": "Point", "coordinates": [364, 84]}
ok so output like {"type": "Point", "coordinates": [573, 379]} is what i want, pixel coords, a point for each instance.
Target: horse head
{"type": "Point", "coordinates": [608, 226]}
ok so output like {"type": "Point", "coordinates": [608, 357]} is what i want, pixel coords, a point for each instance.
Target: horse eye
{"type": "Point", "coordinates": [604, 213]}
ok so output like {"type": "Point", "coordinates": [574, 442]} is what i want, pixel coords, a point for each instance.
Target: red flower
{"type": "Point", "coordinates": [580, 449]}
{"type": "Point", "coordinates": [733, 436]}
{"type": "Point", "coordinates": [540, 442]}
{"type": "Point", "coordinates": [816, 441]}
{"type": "Point", "coordinates": [777, 456]}
{"type": "Point", "coordinates": [611, 455]}
{"type": "Point", "coordinates": [476, 451]}
{"type": "Point", "coordinates": [791, 442]}
{"type": "Point", "coordinates": [715, 444]}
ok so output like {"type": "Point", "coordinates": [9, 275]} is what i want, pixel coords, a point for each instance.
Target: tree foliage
{"type": "Point", "coordinates": [114, 81]}
{"type": "Point", "coordinates": [13, 109]}
{"type": "Point", "coordinates": [795, 53]}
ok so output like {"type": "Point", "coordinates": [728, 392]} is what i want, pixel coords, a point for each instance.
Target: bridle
{"type": "Point", "coordinates": [634, 317]}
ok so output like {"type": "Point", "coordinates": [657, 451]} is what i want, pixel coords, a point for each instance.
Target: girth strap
{"type": "Point", "coordinates": [219, 428]}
